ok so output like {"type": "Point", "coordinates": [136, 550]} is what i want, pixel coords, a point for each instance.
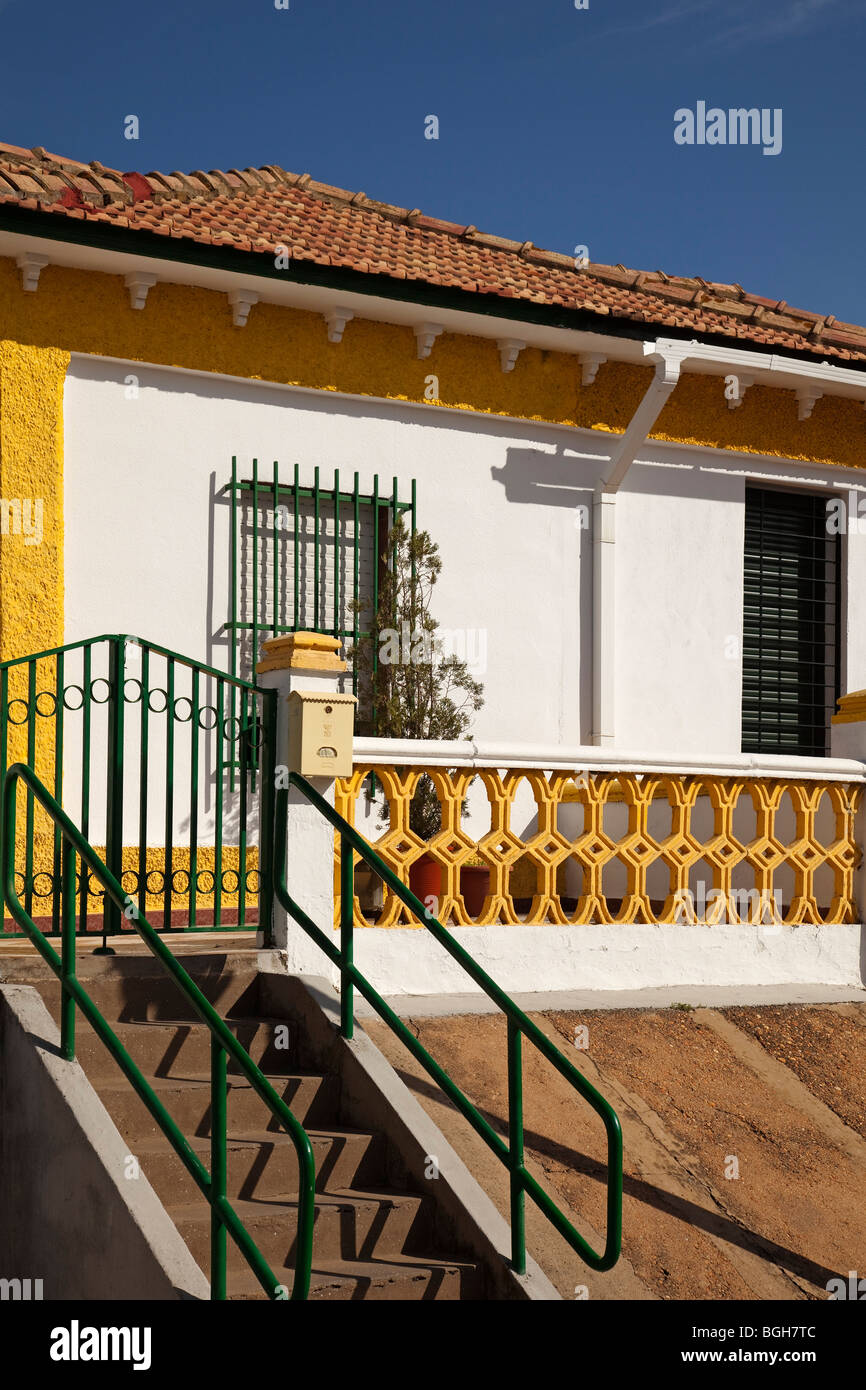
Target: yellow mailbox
{"type": "Point", "coordinates": [321, 724]}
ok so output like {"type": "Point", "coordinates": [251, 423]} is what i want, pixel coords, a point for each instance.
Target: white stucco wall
{"type": "Point", "coordinates": [147, 543]}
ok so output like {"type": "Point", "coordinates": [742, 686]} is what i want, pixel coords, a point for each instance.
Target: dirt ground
{"type": "Point", "coordinates": [743, 1130]}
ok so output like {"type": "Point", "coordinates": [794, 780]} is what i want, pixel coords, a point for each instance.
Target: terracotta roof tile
{"type": "Point", "coordinates": [257, 210]}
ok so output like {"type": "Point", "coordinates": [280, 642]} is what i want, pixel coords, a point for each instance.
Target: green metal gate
{"type": "Point", "coordinates": [164, 763]}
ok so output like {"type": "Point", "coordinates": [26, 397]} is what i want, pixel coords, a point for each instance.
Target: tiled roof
{"type": "Point", "coordinates": [260, 210]}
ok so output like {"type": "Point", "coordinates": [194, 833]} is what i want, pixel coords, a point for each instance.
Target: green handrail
{"type": "Point", "coordinates": [223, 1043]}
{"type": "Point", "coordinates": [519, 1026]}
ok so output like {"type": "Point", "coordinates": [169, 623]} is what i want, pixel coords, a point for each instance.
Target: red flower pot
{"type": "Point", "coordinates": [425, 880]}
{"type": "Point", "coordinates": [474, 885]}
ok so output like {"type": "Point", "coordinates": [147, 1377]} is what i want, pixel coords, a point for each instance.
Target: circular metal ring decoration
{"type": "Point", "coordinates": [66, 690]}
{"type": "Point", "coordinates": [157, 709]}
{"type": "Point", "coordinates": [50, 877]}
{"type": "Point", "coordinates": [94, 887]}
{"type": "Point", "coordinates": [100, 680]}
{"type": "Point", "coordinates": [9, 711]}
{"type": "Point", "coordinates": [202, 712]}
{"type": "Point", "coordinates": [149, 886]}
{"type": "Point", "coordinates": [226, 873]}
{"type": "Point", "coordinates": [238, 729]}
{"type": "Point", "coordinates": [252, 874]}
{"type": "Point", "coordinates": [181, 892]}
{"type": "Point", "coordinates": [130, 699]}
{"type": "Point", "coordinates": [46, 713]}
{"type": "Point", "coordinates": [200, 887]}
{"type": "Point", "coordinates": [123, 877]}
{"type": "Point", "coordinates": [182, 699]}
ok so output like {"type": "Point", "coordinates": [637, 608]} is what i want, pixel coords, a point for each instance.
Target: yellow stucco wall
{"type": "Point", "coordinates": [31, 467]}
{"type": "Point", "coordinates": [31, 575]}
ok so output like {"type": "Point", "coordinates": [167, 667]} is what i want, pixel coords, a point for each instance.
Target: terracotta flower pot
{"type": "Point", "coordinates": [425, 880]}
{"type": "Point", "coordinates": [474, 885]}
{"type": "Point", "coordinates": [368, 889]}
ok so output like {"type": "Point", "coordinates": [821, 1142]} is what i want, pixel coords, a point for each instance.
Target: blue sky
{"type": "Point", "coordinates": [555, 124]}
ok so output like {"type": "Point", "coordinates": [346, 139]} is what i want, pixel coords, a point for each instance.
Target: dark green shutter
{"type": "Point", "coordinates": [790, 623]}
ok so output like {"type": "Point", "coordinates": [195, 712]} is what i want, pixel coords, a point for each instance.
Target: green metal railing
{"type": "Point", "coordinates": [188, 801]}
{"type": "Point", "coordinates": [224, 1044]}
{"type": "Point", "coordinates": [511, 1154]}
{"type": "Point", "coordinates": [273, 557]}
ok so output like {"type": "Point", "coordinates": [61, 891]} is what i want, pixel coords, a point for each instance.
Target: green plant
{"type": "Point", "coordinates": [409, 687]}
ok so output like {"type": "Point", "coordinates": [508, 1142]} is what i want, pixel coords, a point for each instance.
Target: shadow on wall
{"type": "Point", "coordinates": [563, 479]}
{"type": "Point", "coordinates": [559, 479]}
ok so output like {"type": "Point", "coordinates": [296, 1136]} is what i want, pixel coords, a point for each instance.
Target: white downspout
{"type": "Point", "coordinates": [665, 378]}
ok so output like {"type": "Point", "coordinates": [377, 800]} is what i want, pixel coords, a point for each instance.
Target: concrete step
{"type": "Point", "coordinates": [351, 1225]}
{"type": "Point", "coordinates": [263, 1165]}
{"type": "Point", "coordinates": [314, 1100]}
{"type": "Point", "coordinates": [181, 1049]}
{"type": "Point", "coordinates": [139, 989]}
{"type": "Point", "coordinates": [403, 1279]}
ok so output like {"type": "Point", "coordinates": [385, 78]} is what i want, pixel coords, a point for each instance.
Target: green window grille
{"type": "Point", "coordinates": [301, 554]}
{"type": "Point", "coordinates": [791, 623]}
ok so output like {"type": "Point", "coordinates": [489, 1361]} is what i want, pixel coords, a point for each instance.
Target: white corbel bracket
{"type": "Point", "coordinates": [30, 265]}
{"type": "Point", "coordinates": [590, 363]}
{"type": "Point", "coordinates": [743, 384]}
{"type": "Point", "coordinates": [426, 335]}
{"type": "Point", "coordinates": [806, 398]}
{"type": "Point", "coordinates": [138, 284]}
{"type": "Point", "coordinates": [241, 302]}
{"type": "Point", "coordinates": [509, 351]}
{"type": "Point", "coordinates": [336, 319]}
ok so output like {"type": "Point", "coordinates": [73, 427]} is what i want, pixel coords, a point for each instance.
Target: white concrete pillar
{"type": "Point", "coordinates": [848, 740]}
{"type": "Point", "coordinates": [304, 661]}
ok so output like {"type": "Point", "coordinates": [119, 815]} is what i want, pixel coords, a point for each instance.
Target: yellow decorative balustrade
{"type": "Point", "coordinates": [618, 847]}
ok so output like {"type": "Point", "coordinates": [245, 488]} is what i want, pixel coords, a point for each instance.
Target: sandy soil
{"type": "Point", "coordinates": [743, 1168]}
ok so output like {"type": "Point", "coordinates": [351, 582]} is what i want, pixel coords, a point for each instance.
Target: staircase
{"type": "Point", "coordinates": [373, 1236]}
{"type": "Point", "coordinates": [158, 1035]}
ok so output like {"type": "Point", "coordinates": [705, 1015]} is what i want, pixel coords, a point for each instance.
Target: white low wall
{"type": "Point", "coordinates": [530, 959]}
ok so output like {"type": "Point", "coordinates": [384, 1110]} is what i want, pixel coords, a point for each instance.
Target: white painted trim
{"type": "Point", "coordinates": [138, 282]}
{"type": "Point", "coordinates": [509, 351]}
{"type": "Point", "coordinates": [336, 319]}
{"type": "Point", "coordinates": [318, 299]}
{"type": "Point", "coordinates": [775, 369]}
{"type": "Point", "coordinates": [590, 363]}
{"type": "Point", "coordinates": [469, 753]}
{"type": "Point", "coordinates": [241, 301]}
{"type": "Point", "coordinates": [31, 266]}
{"type": "Point", "coordinates": [426, 335]}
